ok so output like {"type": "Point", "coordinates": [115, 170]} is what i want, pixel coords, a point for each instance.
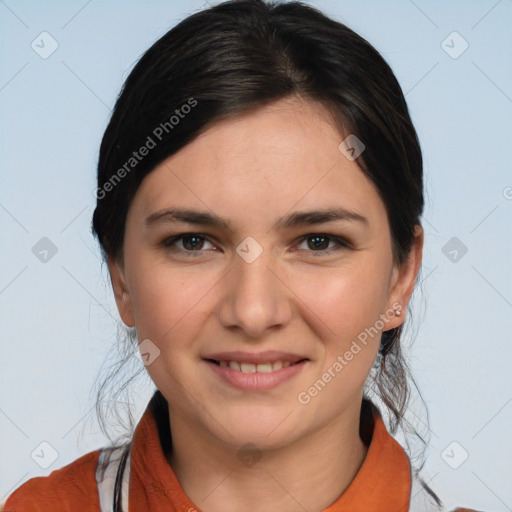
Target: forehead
{"type": "Point", "coordinates": [279, 157]}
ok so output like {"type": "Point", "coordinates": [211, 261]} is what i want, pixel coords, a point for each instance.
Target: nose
{"type": "Point", "coordinates": [256, 299]}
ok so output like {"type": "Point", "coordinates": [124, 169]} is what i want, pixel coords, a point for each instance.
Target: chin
{"type": "Point", "coordinates": [265, 429]}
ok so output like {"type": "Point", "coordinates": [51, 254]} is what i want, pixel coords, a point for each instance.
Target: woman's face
{"type": "Point", "coordinates": [253, 281]}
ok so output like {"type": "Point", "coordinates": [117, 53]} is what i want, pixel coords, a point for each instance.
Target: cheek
{"type": "Point", "coordinates": [169, 310]}
{"type": "Point", "coordinates": [346, 299]}
{"type": "Point", "coordinates": [166, 303]}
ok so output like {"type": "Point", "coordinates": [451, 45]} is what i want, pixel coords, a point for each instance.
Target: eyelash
{"type": "Point", "coordinates": [169, 243]}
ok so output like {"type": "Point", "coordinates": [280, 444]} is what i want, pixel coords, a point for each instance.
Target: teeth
{"type": "Point", "coordinates": [264, 367]}
{"type": "Point", "coordinates": [248, 368]}
{"type": "Point", "coordinates": [234, 365]}
{"type": "Point", "coordinates": [253, 368]}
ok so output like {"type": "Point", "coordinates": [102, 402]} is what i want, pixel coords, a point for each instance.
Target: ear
{"type": "Point", "coordinates": [121, 292]}
{"type": "Point", "coordinates": [403, 280]}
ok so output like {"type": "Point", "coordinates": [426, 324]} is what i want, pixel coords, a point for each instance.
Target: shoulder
{"type": "Point", "coordinates": [68, 489]}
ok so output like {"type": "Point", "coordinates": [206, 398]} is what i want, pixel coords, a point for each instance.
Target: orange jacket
{"type": "Point", "coordinates": [383, 483]}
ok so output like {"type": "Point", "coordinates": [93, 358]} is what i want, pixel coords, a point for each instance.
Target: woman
{"type": "Point", "coordinates": [258, 205]}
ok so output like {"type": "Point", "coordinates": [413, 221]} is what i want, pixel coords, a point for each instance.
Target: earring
{"type": "Point", "coordinates": [398, 312]}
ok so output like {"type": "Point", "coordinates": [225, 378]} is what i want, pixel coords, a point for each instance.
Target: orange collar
{"type": "Point", "coordinates": [383, 482]}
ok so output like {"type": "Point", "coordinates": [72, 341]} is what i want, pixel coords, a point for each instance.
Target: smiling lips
{"type": "Point", "coordinates": [261, 362]}
{"type": "Point", "coordinates": [261, 371]}
{"type": "Point", "coordinates": [252, 368]}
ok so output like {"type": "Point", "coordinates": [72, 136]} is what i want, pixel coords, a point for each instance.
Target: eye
{"type": "Point", "coordinates": [192, 243]}
{"type": "Point", "coordinates": [319, 243]}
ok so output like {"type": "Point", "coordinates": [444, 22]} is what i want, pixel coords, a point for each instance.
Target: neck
{"type": "Point", "coordinates": [311, 473]}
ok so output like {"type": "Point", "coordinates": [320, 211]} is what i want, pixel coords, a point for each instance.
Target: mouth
{"type": "Point", "coordinates": [255, 371]}
{"type": "Point", "coordinates": [264, 367]}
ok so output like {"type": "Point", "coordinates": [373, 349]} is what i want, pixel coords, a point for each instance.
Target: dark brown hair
{"type": "Point", "coordinates": [241, 55]}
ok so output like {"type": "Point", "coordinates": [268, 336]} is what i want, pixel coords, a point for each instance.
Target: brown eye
{"type": "Point", "coordinates": [320, 242]}
{"type": "Point", "coordinates": [191, 243]}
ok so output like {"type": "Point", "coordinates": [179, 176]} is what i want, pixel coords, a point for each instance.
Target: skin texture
{"type": "Point", "coordinates": [252, 170]}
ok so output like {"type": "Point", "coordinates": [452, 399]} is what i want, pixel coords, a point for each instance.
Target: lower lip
{"type": "Point", "coordinates": [256, 381]}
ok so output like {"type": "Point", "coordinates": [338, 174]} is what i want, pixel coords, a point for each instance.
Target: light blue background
{"type": "Point", "coordinates": [58, 319]}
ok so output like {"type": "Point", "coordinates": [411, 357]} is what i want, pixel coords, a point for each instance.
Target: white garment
{"type": "Point", "coordinates": [106, 473]}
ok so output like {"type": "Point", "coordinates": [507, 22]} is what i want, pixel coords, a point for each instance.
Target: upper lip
{"type": "Point", "coordinates": [268, 356]}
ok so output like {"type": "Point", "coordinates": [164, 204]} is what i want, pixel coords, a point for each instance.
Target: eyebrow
{"type": "Point", "coordinates": [295, 219]}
